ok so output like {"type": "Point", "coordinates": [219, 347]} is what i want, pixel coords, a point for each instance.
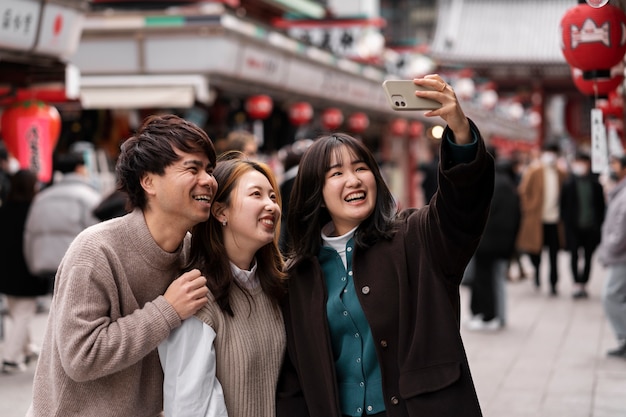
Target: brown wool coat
{"type": "Point", "coordinates": [409, 290]}
{"type": "Point", "coordinates": [530, 236]}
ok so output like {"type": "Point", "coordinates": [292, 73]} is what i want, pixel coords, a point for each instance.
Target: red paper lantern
{"type": "Point", "coordinates": [300, 113]}
{"type": "Point", "coordinates": [31, 130]}
{"type": "Point", "coordinates": [399, 127]}
{"type": "Point", "coordinates": [416, 129]}
{"type": "Point", "coordinates": [596, 87]}
{"type": "Point", "coordinates": [332, 118]}
{"type": "Point", "coordinates": [358, 122]}
{"type": "Point", "coordinates": [593, 39]}
{"type": "Point", "coordinates": [259, 107]}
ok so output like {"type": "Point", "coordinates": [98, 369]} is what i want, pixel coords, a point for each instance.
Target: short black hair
{"type": "Point", "coordinates": [551, 146]}
{"type": "Point", "coordinates": [582, 156]}
{"type": "Point", "coordinates": [68, 162]}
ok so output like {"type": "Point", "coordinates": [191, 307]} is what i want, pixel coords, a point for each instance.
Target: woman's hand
{"type": "Point", "coordinates": [450, 110]}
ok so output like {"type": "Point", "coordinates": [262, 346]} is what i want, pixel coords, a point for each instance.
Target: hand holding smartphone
{"type": "Point", "coordinates": [401, 96]}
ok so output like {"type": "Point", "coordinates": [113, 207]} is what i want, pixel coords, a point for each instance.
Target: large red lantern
{"type": "Point", "coordinates": [332, 118]}
{"type": "Point", "coordinates": [596, 87]}
{"type": "Point", "coordinates": [259, 107]}
{"type": "Point", "coordinates": [31, 130]}
{"type": "Point", "coordinates": [358, 122]}
{"type": "Point", "coordinates": [593, 39]}
{"type": "Point", "coordinates": [300, 113]}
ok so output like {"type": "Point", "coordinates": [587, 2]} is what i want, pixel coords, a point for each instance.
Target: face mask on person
{"type": "Point", "coordinates": [579, 169]}
{"type": "Point", "coordinates": [548, 159]}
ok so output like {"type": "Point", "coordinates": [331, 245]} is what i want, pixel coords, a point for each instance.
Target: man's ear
{"type": "Point", "coordinates": [147, 183]}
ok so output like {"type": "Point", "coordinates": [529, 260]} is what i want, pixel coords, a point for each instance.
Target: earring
{"type": "Point", "coordinates": [224, 222]}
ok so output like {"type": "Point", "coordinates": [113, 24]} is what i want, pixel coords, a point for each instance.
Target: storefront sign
{"type": "Point", "coordinates": [59, 30]}
{"type": "Point", "coordinates": [18, 23]}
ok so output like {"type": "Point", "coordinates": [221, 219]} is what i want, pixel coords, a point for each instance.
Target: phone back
{"type": "Point", "coordinates": [401, 96]}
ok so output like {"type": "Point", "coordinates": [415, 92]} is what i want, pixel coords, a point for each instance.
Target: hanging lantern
{"type": "Point", "coordinates": [613, 106]}
{"type": "Point", "coordinates": [416, 129]}
{"type": "Point", "coordinates": [300, 113]}
{"type": "Point", "coordinates": [593, 39]}
{"type": "Point", "coordinates": [399, 127]}
{"type": "Point", "coordinates": [358, 122]}
{"type": "Point", "coordinates": [596, 87]}
{"type": "Point", "coordinates": [332, 118]}
{"type": "Point", "coordinates": [31, 130]}
{"type": "Point", "coordinates": [259, 107]}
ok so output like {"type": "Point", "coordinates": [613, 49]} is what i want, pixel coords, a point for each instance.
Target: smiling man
{"type": "Point", "coordinates": [118, 293]}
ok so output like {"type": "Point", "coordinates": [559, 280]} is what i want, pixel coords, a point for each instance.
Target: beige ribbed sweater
{"type": "Point", "coordinates": [249, 350]}
{"type": "Point", "coordinates": [107, 318]}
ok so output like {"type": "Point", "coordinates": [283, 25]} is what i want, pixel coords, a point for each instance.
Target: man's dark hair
{"type": "Point", "coordinates": [151, 150]}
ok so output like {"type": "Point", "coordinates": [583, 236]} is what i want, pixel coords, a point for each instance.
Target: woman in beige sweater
{"type": "Point", "coordinates": [225, 361]}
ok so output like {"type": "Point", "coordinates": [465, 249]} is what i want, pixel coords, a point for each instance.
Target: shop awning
{"type": "Point", "coordinates": [142, 91]}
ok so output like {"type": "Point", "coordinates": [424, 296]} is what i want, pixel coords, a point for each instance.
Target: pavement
{"type": "Point", "coordinates": [549, 361]}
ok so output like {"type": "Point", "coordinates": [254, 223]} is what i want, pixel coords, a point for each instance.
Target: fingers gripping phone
{"type": "Point", "coordinates": [401, 96]}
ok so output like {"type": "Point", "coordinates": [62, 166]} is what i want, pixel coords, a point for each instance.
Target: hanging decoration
{"type": "Point", "coordinates": [358, 122]}
{"type": "Point", "coordinates": [597, 87]}
{"type": "Point", "coordinates": [613, 106]}
{"type": "Point", "coordinates": [593, 39]}
{"type": "Point", "coordinates": [399, 127]}
{"type": "Point", "coordinates": [300, 113]}
{"type": "Point", "coordinates": [259, 107]}
{"type": "Point", "coordinates": [416, 129]}
{"type": "Point", "coordinates": [332, 118]}
{"type": "Point", "coordinates": [30, 130]}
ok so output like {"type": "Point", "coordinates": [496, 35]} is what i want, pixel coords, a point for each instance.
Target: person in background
{"type": "Point", "coordinates": [225, 360]}
{"type": "Point", "coordinates": [58, 214]}
{"type": "Point", "coordinates": [20, 286]}
{"type": "Point", "coordinates": [612, 254]}
{"type": "Point", "coordinates": [291, 160]}
{"type": "Point", "coordinates": [517, 271]}
{"type": "Point", "coordinates": [582, 212]}
{"type": "Point", "coordinates": [491, 260]}
{"type": "Point", "coordinates": [241, 141]}
{"type": "Point", "coordinates": [112, 205]}
{"type": "Point", "coordinates": [373, 306]}
{"type": "Point", "coordinates": [119, 289]}
{"type": "Point", "coordinates": [540, 189]}
{"type": "Point", "coordinates": [5, 181]}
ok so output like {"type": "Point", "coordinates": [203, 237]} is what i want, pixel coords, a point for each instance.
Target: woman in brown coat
{"type": "Point", "coordinates": [539, 190]}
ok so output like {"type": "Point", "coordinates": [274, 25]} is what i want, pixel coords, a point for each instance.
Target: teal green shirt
{"type": "Point", "coordinates": [358, 373]}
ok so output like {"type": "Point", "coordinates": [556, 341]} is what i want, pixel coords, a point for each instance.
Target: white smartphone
{"type": "Point", "coordinates": [401, 96]}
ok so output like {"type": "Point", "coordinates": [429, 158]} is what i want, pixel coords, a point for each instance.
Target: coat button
{"type": "Point", "coordinates": [394, 400]}
{"type": "Point", "coordinates": [383, 343]}
{"type": "Point", "coordinates": [365, 290]}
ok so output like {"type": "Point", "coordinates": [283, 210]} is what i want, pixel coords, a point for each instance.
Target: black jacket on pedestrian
{"type": "Point", "coordinates": [15, 278]}
{"type": "Point", "coordinates": [570, 209]}
{"type": "Point", "coordinates": [498, 239]}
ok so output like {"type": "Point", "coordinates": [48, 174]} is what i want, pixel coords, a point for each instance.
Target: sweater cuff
{"type": "Point", "coordinates": [171, 316]}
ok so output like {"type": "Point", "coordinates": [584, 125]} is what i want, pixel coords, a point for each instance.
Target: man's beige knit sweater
{"type": "Point", "coordinates": [107, 318]}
